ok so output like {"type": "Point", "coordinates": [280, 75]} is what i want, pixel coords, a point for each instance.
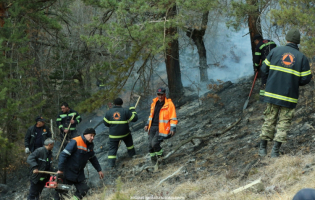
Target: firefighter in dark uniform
{"type": "Point", "coordinates": [40, 160]}
{"type": "Point", "coordinates": [118, 119]}
{"type": "Point", "coordinates": [263, 47]}
{"type": "Point", "coordinates": [74, 158]}
{"type": "Point", "coordinates": [101, 81]}
{"type": "Point", "coordinates": [287, 69]}
{"type": "Point", "coordinates": [64, 119]}
{"type": "Point", "coordinates": [36, 135]}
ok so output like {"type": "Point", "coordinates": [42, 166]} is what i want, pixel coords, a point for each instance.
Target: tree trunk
{"type": "Point", "coordinates": [172, 62]}
{"type": "Point", "coordinates": [197, 37]}
{"type": "Point", "coordinates": [254, 26]}
{"type": "Point", "coordinates": [3, 11]}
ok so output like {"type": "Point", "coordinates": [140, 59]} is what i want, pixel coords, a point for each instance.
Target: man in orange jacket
{"type": "Point", "coordinates": [161, 123]}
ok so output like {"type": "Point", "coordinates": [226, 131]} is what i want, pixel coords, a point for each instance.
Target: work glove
{"type": "Point", "coordinates": [27, 150]}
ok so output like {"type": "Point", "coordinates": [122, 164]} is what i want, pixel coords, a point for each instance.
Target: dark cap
{"type": "Point", "coordinates": [89, 130]}
{"type": "Point", "coordinates": [160, 90]}
{"type": "Point", "coordinates": [39, 119]}
{"type": "Point", "coordinates": [293, 36]}
{"type": "Point", "coordinates": [118, 101]}
{"type": "Point", "coordinates": [257, 37]}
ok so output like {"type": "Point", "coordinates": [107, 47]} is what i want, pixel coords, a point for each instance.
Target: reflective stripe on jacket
{"type": "Point", "coordinates": [262, 50]}
{"type": "Point", "coordinates": [167, 117]}
{"type": "Point", "coordinates": [63, 120]}
{"type": "Point", "coordinates": [74, 158]}
{"type": "Point", "coordinates": [287, 69]}
{"type": "Point", "coordinates": [38, 160]}
{"type": "Point", "coordinates": [118, 119]}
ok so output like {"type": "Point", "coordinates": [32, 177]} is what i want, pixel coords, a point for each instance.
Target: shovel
{"type": "Point", "coordinates": [246, 102]}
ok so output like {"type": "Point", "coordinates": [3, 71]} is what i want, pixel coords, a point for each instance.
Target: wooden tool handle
{"type": "Point", "coordinates": [46, 172]}
{"type": "Point", "coordinates": [64, 138]}
{"type": "Point", "coordinates": [137, 101]}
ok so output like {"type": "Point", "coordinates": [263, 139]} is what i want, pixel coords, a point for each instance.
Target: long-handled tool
{"type": "Point", "coordinates": [46, 172]}
{"type": "Point", "coordinates": [64, 137]}
{"type": "Point", "coordinates": [246, 102]}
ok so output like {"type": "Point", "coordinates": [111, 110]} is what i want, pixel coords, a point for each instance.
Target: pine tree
{"type": "Point", "coordinates": [139, 31]}
{"type": "Point", "coordinates": [298, 14]}
{"type": "Point", "coordinates": [21, 92]}
{"type": "Point", "coordinates": [247, 13]}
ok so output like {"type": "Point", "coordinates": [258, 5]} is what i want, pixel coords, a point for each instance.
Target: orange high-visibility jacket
{"type": "Point", "coordinates": [167, 117]}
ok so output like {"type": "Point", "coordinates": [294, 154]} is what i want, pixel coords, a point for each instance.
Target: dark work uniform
{"type": "Point", "coordinates": [261, 52]}
{"type": "Point", "coordinates": [72, 162]}
{"type": "Point", "coordinates": [35, 137]}
{"type": "Point", "coordinates": [154, 142]}
{"type": "Point", "coordinates": [117, 119]}
{"type": "Point", "coordinates": [63, 121]}
{"type": "Point", "coordinates": [287, 69]}
{"type": "Point", "coordinates": [40, 159]}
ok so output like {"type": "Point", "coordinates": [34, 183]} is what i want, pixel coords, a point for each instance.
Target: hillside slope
{"type": "Point", "coordinates": [209, 167]}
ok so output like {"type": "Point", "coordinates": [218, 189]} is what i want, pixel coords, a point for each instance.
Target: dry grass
{"type": "Point", "coordinates": [282, 178]}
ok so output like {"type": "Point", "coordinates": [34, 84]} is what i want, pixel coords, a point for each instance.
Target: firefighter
{"type": "Point", "coordinates": [161, 123]}
{"type": "Point", "coordinates": [74, 158]}
{"type": "Point", "coordinates": [118, 119]}
{"type": "Point", "coordinates": [287, 69]}
{"type": "Point", "coordinates": [263, 47]}
{"type": "Point", "coordinates": [36, 135]}
{"type": "Point", "coordinates": [100, 81]}
{"type": "Point", "coordinates": [64, 119]}
{"type": "Point", "coordinates": [40, 160]}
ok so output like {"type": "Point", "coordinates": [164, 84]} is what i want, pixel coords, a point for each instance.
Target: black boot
{"type": "Point", "coordinates": [131, 152]}
{"type": "Point", "coordinates": [153, 159]}
{"type": "Point", "coordinates": [162, 161]}
{"type": "Point", "coordinates": [276, 149]}
{"type": "Point", "coordinates": [263, 148]}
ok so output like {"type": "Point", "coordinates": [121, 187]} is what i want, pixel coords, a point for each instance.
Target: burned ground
{"type": "Point", "coordinates": [233, 154]}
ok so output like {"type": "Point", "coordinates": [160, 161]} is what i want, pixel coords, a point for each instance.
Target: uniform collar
{"type": "Point", "coordinates": [70, 111]}
{"type": "Point", "coordinates": [85, 141]}
{"type": "Point", "coordinates": [47, 151]}
{"type": "Point", "coordinates": [156, 99]}
{"type": "Point", "coordinates": [116, 106]}
{"type": "Point", "coordinates": [294, 46]}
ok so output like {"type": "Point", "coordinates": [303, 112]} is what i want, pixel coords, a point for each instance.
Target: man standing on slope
{"type": "Point", "coordinates": [161, 123]}
{"type": "Point", "coordinates": [36, 135]}
{"type": "Point", "coordinates": [118, 119]}
{"type": "Point", "coordinates": [65, 117]}
{"type": "Point", "coordinates": [287, 69]}
{"type": "Point", "coordinates": [263, 47]}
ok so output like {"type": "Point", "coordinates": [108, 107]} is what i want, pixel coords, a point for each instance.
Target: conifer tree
{"type": "Point", "coordinates": [298, 14]}
{"type": "Point", "coordinates": [21, 95]}
{"type": "Point", "coordinates": [144, 29]}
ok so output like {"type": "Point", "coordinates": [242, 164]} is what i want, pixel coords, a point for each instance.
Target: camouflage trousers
{"type": "Point", "coordinates": [272, 113]}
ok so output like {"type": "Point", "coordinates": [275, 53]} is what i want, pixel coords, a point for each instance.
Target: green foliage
{"type": "Point", "coordinates": [238, 12]}
{"type": "Point", "coordinates": [21, 97]}
{"type": "Point", "coordinates": [299, 14]}
{"type": "Point", "coordinates": [140, 25]}
{"type": "Point", "coordinates": [118, 194]}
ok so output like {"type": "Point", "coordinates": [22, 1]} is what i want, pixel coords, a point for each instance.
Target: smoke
{"type": "Point", "coordinates": [229, 55]}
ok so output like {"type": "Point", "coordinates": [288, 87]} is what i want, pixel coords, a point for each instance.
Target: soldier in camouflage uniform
{"type": "Point", "coordinates": [287, 69]}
